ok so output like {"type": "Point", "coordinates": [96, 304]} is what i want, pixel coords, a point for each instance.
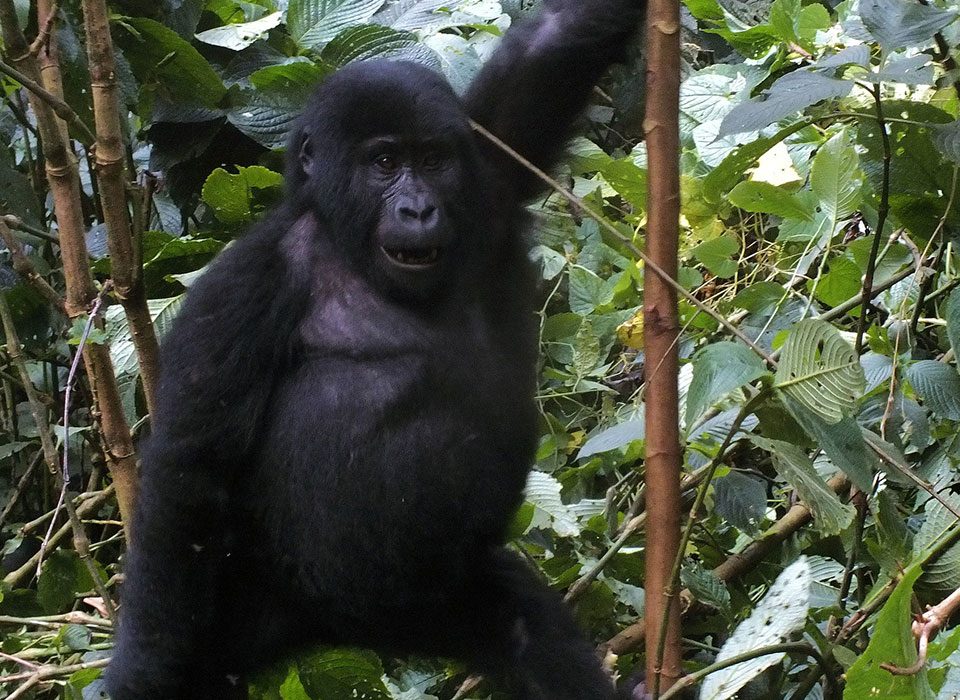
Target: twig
{"type": "Point", "coordinates": [25, 269]}
{"type": "Point", "coordinates": [43, 35]}
{"type": "Point", "coordinates": [61, 108]}
{"type": "Point", "coordinates": [882, 210]}
{"type": "Point", "coordinates": [626, 242]}
{"type": "Point", "coordinates": [81, 542]}
{"type": "Point", "coordinates": [20, 488]}
{"type": "Point", "coordinates": [18, 224]}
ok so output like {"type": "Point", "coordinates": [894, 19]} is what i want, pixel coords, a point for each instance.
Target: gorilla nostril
{"type": "Point", "coordinates": [424, 214]}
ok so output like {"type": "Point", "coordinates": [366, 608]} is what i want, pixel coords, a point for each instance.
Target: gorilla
{"type": "Point", "coordinates": [346, 413]}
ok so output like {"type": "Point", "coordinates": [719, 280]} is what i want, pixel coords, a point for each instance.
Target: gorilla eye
{"type": "Point", "coordinates": [432, 160]}
{"type": "Point", "coordinates": [386, 162]}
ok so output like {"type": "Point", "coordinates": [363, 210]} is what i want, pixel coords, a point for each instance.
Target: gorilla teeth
{"type": "Point", "coordinates": [415, 257]}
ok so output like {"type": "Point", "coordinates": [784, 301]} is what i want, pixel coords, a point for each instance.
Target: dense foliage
{"type": "Point", "coordinates": [821, 147]}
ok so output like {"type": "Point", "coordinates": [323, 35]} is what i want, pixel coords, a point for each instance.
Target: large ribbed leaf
{"type": "Point", "coordinates": [830, 515]}
{"type": "Point", "coordinates": [373, 41]}
{"type": "Point", "coordinates": [819, 369]}
{"type": "Point", "coordinates": [313, 23]}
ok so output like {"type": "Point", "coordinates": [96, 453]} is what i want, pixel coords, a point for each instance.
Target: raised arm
{"type": "Point", "coordinates": [540, 78]}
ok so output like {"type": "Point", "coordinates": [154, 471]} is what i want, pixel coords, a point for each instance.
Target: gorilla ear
{"type": "Point", "coordinates": [306, 155]}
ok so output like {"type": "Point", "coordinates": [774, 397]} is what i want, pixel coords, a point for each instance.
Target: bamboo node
{"type": "Point", "coordinates": [59, 170]}
{"type": "Point", "coordinates": [668, 27]}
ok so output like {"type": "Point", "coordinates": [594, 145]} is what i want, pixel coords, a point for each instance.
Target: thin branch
{"type": "Point", "coordinates": [883, 209]}
{"type": "Point", "coordinates": [623, 240]}
{"type": "Point", "coordinates": [25, 269]}
{"type": "Point", "coordinates": [81, 542]}
{"type": "Point", "coordinates": [61, 108]}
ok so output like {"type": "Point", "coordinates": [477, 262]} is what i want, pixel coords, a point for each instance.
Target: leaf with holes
{"type": "Point", "coordinates": [782, 612]}
{"type": "Point", "coordinates": [820, 370]}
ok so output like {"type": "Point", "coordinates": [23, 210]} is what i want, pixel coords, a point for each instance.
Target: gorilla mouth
{"type": "Point", "coordinates": [413, 257]}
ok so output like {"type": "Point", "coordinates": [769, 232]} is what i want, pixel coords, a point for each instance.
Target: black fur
{"type": "Point", "coordinates": [342, 438]}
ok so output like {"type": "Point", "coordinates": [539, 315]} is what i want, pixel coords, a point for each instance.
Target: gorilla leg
{"type": "Point", "coordinates": [533, 642]}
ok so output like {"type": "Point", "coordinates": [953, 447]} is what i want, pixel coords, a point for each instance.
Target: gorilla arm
{"type": "Point", "coordinates": [225, 349]}
{"type": "Point", "coordinates": [540, 78]}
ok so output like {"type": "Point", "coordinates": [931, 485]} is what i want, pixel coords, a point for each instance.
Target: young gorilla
{"type": "Point", "coordinates": [346, 414]}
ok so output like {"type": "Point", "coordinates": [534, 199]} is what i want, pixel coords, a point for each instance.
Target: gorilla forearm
{"type": "Point", "coordinates": [540, 79]}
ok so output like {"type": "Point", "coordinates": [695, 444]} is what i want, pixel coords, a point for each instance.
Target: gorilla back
{"type": "Point", "coordinates": [346, 416]}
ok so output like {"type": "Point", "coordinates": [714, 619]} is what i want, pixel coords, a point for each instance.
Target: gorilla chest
{"type": "Point", "coordinates": [395, 454]}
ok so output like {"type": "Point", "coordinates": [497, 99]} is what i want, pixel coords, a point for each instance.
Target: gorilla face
{"type": "Point", "coordinates": [391, 169]}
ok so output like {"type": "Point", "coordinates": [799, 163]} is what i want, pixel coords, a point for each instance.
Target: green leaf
{"type": "Point", "coordinates": [586, 350]}
{"type": "Point", "coordinates": [266, 117]}
{"type": "Point", "coordinates": [239, 36]}
{"type": "Point", "coordinates": [430, 16]}
{"type": "Point", "coordinates": [761, 297]}
{"type": "Point", "coordinates": [458, 58]}
{"type": "Point", "coordinates": [705, 585]}
{"type": "Point", "coordinates": [730, 171]}
{"type": "Point", "coordinates": [715, 254]}
{"type": "Point", "coordinates": [784, 15]}
{"type": "Point", "coordinates": [765, 198]}
{"type": "Point", "coordinates": [75, 637]}
{"type": "Point", "coordinates": [158, 55]}
{"type": "Point", "coordinates": [952, 316]}
{"type": "Point", "coordinates": [813, 18]}
{"type": "Point", "coordinates": [938, 385]}
{"type": "Point", "coordinates": [913, 70]}
{"type": "Point", "coordinates": [373, 41]}
{"type": "Point", "coordinates": [292, 688]}
{"type": "Point", "coordinates": [313, 23]}
{"type": "Point", "coordinates": [719, 369]}
{"type": "Point", "coordinates": [943, 572]}
{"type": "Point", "coordinates": [342, 673]}
{"type": "Point", "coordinates": [790, 94]}
{"type": "Point", "coordinates": [820, 370]}
{"type": "Point", "coordinates": [835, 177]}
{"type": "Point", "coordinates": [920, 178]}
{"type": "Point", "coordinates": [946, 137]}
{"type": "Point", "coordinates": [543, 491]}
{"type": "Point", "coordinates": [843, 442]}
{"type": "Point", "coordinates": [588, 291]}
{"type": "Point", "coordinates": [892, 642]}
{"type": "Point", "coordinates": [839, 284]}
{"type": "Point", "coordinates": [741, 500]}
{"type": "Point", "coordinates": [899, 23]}
{"type": "Point", "coordinates": [236, 199]}
{"type": "Point", "coordinates": [782, 612]}
{"type": "Point", "coordinates": [830, 515]}
{"type": "Point", "coordinates": [62, 577]}
{"type": "Point", "coordinates": [628, 179]}
{"type": "Point", "coordinates": [294, 80]}
{"type": "Point", "coordinates": [615, 438]}
{"type": "Point", "coordinates": [12, 448]}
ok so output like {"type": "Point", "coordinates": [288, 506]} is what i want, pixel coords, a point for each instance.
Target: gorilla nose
{"type": "Point", "coordinates": [423, 213]}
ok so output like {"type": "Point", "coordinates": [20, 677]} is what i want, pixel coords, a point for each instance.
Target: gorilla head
{"type": "Point", "coordinates": [385, 157]}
